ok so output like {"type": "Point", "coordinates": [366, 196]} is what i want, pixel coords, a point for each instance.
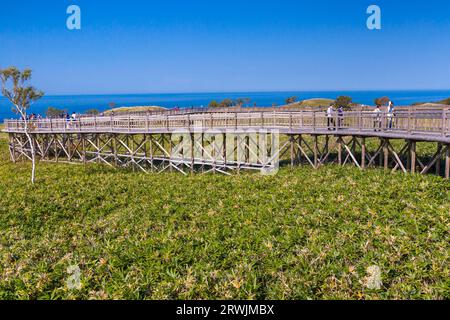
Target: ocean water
{"type": "Point", "coordinates": [81, 103]}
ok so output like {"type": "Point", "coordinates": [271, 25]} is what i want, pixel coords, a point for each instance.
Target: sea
{"type": "Point", "coordinates": [81, 103]}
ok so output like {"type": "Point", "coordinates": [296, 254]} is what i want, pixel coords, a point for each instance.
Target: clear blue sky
{"type": "Point", "coordinates": [193, 46]}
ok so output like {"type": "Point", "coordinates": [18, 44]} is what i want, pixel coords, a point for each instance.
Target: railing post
{"type": "Point", "coordinates": [95, 123]}
{"type": "Point", "coordinates": [359, 120]}
{"type": "Point", "coordinates": [167, 121]}
{"type": "Point", "coordinates": [314, 121]}
{"type": "Point", "coordinates": [262, 119]}
{"type": "Point", "coordinates": [111, 121]}
{"type": "Point", "coordinates": [235, 120]}
{"type": "Point", "coordinates": [409, 120]}
{"type": "Point", "coordinates": [444, 123]}
{"type": "Point", "coordinates": [146, 123]}
{"type": "Point", "coordinates": [51, 125]}
{"type": "Point", "coordinates": [290, 120]}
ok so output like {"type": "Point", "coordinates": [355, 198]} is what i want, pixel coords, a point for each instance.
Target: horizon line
{"type": "Point", "coordinates": [238, 91]}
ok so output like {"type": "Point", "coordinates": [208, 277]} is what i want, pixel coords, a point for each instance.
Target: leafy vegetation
{"type": "Point", "coordinates": [343, 101]}
{"type": "Point", "coordinates": [383, 101]}
{"type": "Point", "coordinates": [53, 112]}
{"type": "Point", "coordinates": [301, 234]}
{"type": "Point", "coordinates": [291, 100]}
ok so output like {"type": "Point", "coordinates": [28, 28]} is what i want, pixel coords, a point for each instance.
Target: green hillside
{"type": "Point", "coordinates": [312, 103]}
{"type": "Point", "coordinates": [134, 109]}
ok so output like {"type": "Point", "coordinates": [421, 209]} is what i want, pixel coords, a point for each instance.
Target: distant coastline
{"type": "Point", "coordinates": [81, 103]}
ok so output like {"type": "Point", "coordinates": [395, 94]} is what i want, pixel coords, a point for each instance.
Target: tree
{"type": "Point", "coordinates": [14, 88]}
{"type": "Point", "coordinates": [213, 104]}
{"type": "Point", "coordinates": [92, 112]}
{"type": "Point", "coordinates": [239, 102]}
{"type": "Point", "coordinates": [382, 101]}
{"type": "Point", "coordinates": [242, 101]}
{"type": "Point", "coordinates": [53, 112]}
{"type": "Point", "coordinates": [343, 101]}
{"type": "Point", "coordinates": [225, 103]}
{"type": "Point", "coordinates": [291, 100]}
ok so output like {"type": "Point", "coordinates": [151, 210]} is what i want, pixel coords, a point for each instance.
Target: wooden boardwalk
{"type": "Point", "coordinates": [228, 141]}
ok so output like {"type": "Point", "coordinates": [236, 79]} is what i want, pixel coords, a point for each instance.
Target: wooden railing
{"type": "Point", "coordinates": [433, 123]}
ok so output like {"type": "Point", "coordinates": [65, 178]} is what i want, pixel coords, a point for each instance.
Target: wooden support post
{"type": "Point", "coordinates": [339, 149]}
{"type": "Point", "coordinates": [192, 146]}
{"type": "Point", "coordinates": [55, 141]}
{"type": "Point", "coordinates": [69, 145]}
{"type": "Point", "coordinates": [300, 140]}
{"type": "Point", "coordinates": [150, 140]}
{"type": "Point", "coordinates": [363, 153]}
{"type": "Point", "coordinates": [12, 147]}
{"type": "Point", "coordinates": [247, 148]}
{"type": "Point", "coordinates": [83, 148]}
{"type": "Point", "coordinates": [131, 146]}
{"type": "Point", "coordinates": [224, 144]}
{"type": "Point", "coordinates": [114, 145]}
{"type": "Point", "coordinates": [438, 161]}
{"type": "Point", "coordinates": [412, 156]}
{"type": "Point", "coordinates": [447, 162]}
{"type": "Point", "coordinates": [202, 143]}
{"type": "Point", "coordinates": [316, 152]}
{"type": "Point", "coordinates": [170, 151]}
{"type": "Point", "coordinates": [385, 154]}
{"type": "Point", "coordinates": [291, 139]}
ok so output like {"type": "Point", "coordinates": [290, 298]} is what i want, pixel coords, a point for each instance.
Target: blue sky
{"type": "Point", "coordinates": [206, 46]}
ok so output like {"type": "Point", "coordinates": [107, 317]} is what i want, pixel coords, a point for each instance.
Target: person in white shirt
{"type": "Point", "coordinates": [390, 114]}
{"type": "Point", "coordinates": [330, 119]}
{"type": "Point", "coordinates": [73, 119]}
{"type": "Point", "coordinates": [377, 118]}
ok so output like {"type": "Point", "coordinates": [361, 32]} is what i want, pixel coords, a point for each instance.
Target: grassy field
{"type": "Point", "coordinates": [301, 234]}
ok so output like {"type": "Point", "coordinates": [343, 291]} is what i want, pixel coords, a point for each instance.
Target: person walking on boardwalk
{"type": "Point", "coordinates": [390, 115]}
{"type": "Point", "coordinates": [330, 119]}
{"type": "Point", "coordinates": [340, 113]}
{"type": "Point", "coordinates": [377, 118]}
{"type": "Point", "coordinates": [67, 116]}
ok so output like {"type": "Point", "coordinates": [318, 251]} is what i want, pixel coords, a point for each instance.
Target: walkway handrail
{"type": "Point", "coordinates": [411, 122]}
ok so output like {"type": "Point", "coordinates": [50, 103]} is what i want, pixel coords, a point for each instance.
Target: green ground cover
{"type": "Point", "coordinates": [301, 234]}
